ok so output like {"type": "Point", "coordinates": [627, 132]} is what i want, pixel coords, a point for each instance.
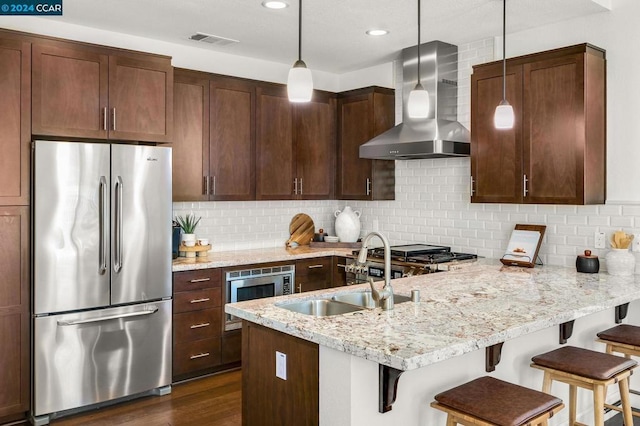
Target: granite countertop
{"type": "Point", "coordinates": [247, 257]}
{"type": "Point", "coordinates": [459, 312]}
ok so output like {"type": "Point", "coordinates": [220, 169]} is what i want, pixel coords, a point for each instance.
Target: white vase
{"type": "Point", "coordinates": [347, 225]}
{"type": "Point", "coordinates": [620, 262]}
{"type": "Point", "coordinates": [189, 240]}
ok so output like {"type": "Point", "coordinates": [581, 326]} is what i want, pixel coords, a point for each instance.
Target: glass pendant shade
{"type": "Point", "coordinates": [504, 116]}
{"type": "Point", "coordinates": [300, 83]}
{"type": "Point", "coordinates": [418, 105]}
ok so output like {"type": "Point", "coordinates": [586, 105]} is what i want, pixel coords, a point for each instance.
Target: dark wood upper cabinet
{"type": "Point", "coordinates": [232, 139]}
{"type": "Point", "coordinates": [556, 152]}
{"type": "Point", "coordinates": [190, 146]}
{"type": "Point", "coordinates": [295, 146]}
{"type": "Point", "coordinates": [214, 144]}
{"type": "Point", "coordinates": [92, 92]}
{"type": "Point", "coordinates": [362, 115]}
{"type": "Point", "coordinates": [14, 313]}
{"type": "Point", "coordinates": [15, 121]}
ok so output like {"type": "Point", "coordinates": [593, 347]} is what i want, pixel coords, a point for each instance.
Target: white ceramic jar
{"type": "Point", "coordinates": [347, 225]}
{"type": "Point", "coordinates": [620, 262]}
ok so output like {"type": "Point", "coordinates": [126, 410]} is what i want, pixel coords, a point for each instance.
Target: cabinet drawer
{"type": "Point", "coordinates": [194, 356]}
{"type": "Point", "coordinates": [196, 280]}
{"type": "Point", "coordinates": [196, 325]}
{"type": "Point", "coordinates": [196, 300]}
{"type": "Point", "coordinates": [313, 274]}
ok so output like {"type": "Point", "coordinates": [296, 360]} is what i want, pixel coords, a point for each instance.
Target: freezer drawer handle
{"type": "Point", "coordinates": [202, 355]}
{"type": "Point", "coordinates": [204, 324]}
{"type": "Point", "coordinates": [204, 299]}
{"type": "Point", "coordinates": [200, 280]}
{"type": "Point", "coordinates": [108, 318]}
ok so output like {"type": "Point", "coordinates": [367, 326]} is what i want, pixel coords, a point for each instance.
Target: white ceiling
{"type": "Point", "coordinates": [334, 38]}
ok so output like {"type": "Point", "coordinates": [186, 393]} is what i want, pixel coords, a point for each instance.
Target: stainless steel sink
{"type": "Point", "coordinates": [321, 307]}
{"type": "Point", "coordinates": [365, 299]}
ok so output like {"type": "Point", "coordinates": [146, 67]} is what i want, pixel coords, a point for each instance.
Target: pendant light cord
{"type": "Point", "coordinates": [419, 76]}
{"type": "Point", "coordinates": [504, 49]}
{"type": "Point", "coordinates": [300, 31]}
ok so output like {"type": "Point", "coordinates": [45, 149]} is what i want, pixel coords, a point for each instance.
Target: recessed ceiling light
{"type": "Point", "coordinates": [377, 32]}
{"type": "Point", "coordinates": [272, 4]}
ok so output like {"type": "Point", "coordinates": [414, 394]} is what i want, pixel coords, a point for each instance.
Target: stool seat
{"type": "Point", "coordinates": [498, 402]}
{"type": "Point", "coordinates": [584, 362]}
{"type": "Point", "coordinates": [624, 333]}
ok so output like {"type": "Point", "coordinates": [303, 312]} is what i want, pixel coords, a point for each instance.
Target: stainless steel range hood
{"type": "Point", "coordinates": [439, 135]}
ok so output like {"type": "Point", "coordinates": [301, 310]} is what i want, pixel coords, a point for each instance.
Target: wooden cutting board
{"type": "Point", "coordinates": [301, 229]}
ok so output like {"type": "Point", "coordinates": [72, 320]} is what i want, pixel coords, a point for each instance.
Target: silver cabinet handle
{"type": "Point", "coordinates": [300, 186]}
{"type": "Point", "coordinates": [340, 265]}
{"type": "Point", "coordinates": [202, 355]}
{"type": "Point", "coordinates": [300, 288]}
{"type": "Point", "coordinates": [104, 119]}
{"type": "Point", "coordinates": [205, 185]}
{"type": "Point", "coordinates": [368, 186]}
{"type": "Point", "coordinates": [102, 217]}
{"type": "Point", "coordinates": [295, 186]}
{"type": "Point", "coordinates": [524, 183]}
{"type": "Point", "coordinates": [472, 190]}
{"type": "Point", "coordinates": [108, 318]}
{"type": "Point", "coordinates": [200, 280]}
{"type": "Point", "coordinates": [113, 116]}
{"type": "Point", "coordinates": [117, 266]}
{"type": "Point", "coordinates": [204, 324]}
{"type": "Point", "coordinates": [214, 185]}
{"type": "Point", "coordinates": [204, 299]}
{"type": "Point", "coordinates": [315, 266]}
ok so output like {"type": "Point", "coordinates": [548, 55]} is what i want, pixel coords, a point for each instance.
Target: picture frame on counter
{"type": "Point", "coordinates": [524, 245]}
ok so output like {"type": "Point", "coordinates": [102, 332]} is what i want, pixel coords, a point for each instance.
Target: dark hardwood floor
{"type": "Point", "coordinates": [211, 401]}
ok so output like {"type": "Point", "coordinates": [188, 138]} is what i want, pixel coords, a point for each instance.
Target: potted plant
{"type": "Point", "coordinates": [188, 224]}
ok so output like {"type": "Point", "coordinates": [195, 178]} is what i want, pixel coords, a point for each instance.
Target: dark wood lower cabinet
{"type": "Point", "coordinates": [14, 313]}
{"type": "Point", "coordinates": [267, 399]}
{"type": "Point", "coordinates": [232, 347]}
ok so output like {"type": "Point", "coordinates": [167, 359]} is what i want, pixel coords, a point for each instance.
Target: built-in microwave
{"type": "Point", "coordinates": [256, 283]}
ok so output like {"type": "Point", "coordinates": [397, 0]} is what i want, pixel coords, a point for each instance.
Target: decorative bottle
{"type": "Point", "coordinates": [347, 225]}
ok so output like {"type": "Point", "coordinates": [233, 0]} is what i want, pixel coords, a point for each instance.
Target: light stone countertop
{"type": "Point", "coordinates": [247, 257]}
{"type": "Point", "coordinates": [459, 312]}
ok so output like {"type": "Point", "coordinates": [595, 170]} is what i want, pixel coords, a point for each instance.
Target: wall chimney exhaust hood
{"type": "Point", "coordinates": [439, 135]}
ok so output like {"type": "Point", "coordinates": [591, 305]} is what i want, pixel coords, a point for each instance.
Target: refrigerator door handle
{"type": "Point", "coordinates": [118, 231]}
{"type": "Point", "coordinates": [64, 323]}
{"type": "Point", "coordinates": [104, 238]}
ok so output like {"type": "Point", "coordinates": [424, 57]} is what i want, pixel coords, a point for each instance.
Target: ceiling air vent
{"type": "Point", "coordinates": [212, 39]}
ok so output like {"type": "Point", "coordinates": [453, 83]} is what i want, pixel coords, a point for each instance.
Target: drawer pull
{"type": "Point", "coordinates": [204, 324]}
{"type": "Point", "coordinates": [340, 265]}
{"type": "Point", "coordinates": [202, 355]}
{"type": "Point", "coordinates": [200, 280]}
{"type": "Point", "coordinates": [204, 299]}
{"type": "Point", "coordinates": [315, 266]}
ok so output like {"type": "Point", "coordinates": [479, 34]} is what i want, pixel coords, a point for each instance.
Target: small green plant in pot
{"type": "Point", "coordinates": [188, 224]}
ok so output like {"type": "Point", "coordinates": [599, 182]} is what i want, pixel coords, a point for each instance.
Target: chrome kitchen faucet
{"type": "Point", "coordinates": [385, 296]}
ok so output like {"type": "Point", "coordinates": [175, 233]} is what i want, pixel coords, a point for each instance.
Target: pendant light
{"type": "Point", "coordinates": [300, 82]}
{"type": "Point", "coordinates": [418, 104]}
{"type": "Point", "coordinates": [504, 116]}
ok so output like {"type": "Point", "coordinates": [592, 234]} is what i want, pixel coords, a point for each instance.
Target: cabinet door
{"type": "Point", "coordinates": [275, 159]}
{"type": "Point", "coordinates": [554, 131]}
{"type": "Point", "coordinates": [140, 99]}
{"type": "Point", "coordinates": [232, 153]}
{"type": "Point", "coordinates": [15, 119]}
{"type": "Point", "coordinates": [191, 137]}
{"type": "Point", "coordinates": [339, 273]}
{"type": "Point", "coordinates": [313, 274]}
{"type": "Point", "coordinates": [315, 142]}
{"type": "Point", "coordinates": [496, 155]}
{"type": "Point", "coordinates": [14, 312]}
{"type": "Point", "coordinates": [69, 92]}
{"type": "Point", "coordinates": [383, 172]}
{"type": "Point", "coordinates": [354, 129]}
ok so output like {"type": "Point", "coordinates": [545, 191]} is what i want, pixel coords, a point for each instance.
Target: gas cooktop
{"type": "Point", "coordinates": [420, 254]}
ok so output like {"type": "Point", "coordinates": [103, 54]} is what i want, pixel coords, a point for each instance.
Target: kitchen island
{"type": "Point", "coordinates": [441, 341]}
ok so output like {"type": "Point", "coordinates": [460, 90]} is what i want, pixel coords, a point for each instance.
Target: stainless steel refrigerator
{"type": "Point", "coordinates": [102, 274]}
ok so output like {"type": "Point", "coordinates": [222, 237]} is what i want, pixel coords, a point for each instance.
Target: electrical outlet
{"type": "Point", "coordinates": [281, 365]}
{"type": "Point", "coordinates": [599, 242]}
{"type": "Point", "coordinates": [635, 245]}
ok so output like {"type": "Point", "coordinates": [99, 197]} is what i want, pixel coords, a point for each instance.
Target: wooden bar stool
{"type": "Point", "coordinates": [590, 370]}
{"type": "Point", "coordinates": [624, 339]}
{"type": "Point", "coordinates": [489, 402]}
